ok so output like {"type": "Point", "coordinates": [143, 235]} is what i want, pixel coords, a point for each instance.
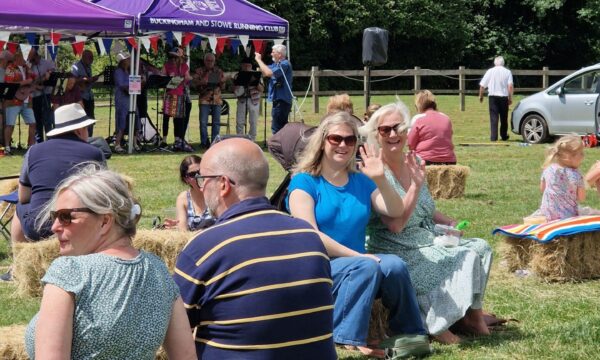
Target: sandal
{"type": "Point", "coordinates": [119, 149]}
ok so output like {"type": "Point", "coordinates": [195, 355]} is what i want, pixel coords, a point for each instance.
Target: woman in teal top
{"type": "Point", "coordinates": [103, 298]}
{"type": "Point", "coordinates": [450, 281]}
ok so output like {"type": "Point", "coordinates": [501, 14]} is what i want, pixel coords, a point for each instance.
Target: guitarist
{"type": "Point", "coordinates": [83, 72]}
{"type": "Point", "coordinates": [42, 108]}
{"type": "Point", "coordinates": [17, 72]}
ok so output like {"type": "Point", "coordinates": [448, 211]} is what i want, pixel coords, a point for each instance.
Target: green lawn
{"type": "Point", "coordinates": [556, 321]}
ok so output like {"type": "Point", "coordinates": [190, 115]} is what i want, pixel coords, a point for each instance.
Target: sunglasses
{"type": "Point", "coordinates": [64, 215]}
{"type": "Point", "coordinates": [385, 131]}
{"type": "Point", "coordinates": [201, 178]}
{"type": "Point", "coordinates": [336, 140]}
{"type": "Point", "coordinates": [192, 174]}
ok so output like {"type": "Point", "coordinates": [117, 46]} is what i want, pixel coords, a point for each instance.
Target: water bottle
{"type": "Point", "coordinates": [446, 230]}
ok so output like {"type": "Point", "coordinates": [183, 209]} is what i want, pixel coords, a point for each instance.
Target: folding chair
{"type": "Point", "coordinates": [8, 213]}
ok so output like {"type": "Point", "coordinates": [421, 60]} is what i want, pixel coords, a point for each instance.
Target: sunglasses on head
{"type": "Point", "coordinates": [334, 139]}
{"type": "Point", "coordinates": [192, 174]}
{"type": "Point", "coordinates": [385, 130]}
{"type": "Point", "coordinates": [64, 215]}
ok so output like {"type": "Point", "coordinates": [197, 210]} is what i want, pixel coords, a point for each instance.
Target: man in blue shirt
{"type": "Point", "coordinates": [257, 284]}
{"type": "Point", "coordinates": [280, 85]}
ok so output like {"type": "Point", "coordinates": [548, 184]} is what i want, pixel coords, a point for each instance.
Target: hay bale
{"type": "Point", "coordinates": [566, 258]}
{"type": "Point", "coordinates": [12, 343]}
{"type": "Point", "coordinates": [447, 181]}
{"type": "Point", "coordinates": [33, 259]}
{"type": "Point", "coordinates": [516, 253]}
{"type": "Point", "coordinates": [378, 324]}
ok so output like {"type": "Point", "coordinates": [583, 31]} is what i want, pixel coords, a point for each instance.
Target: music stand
{"type": "Point", "coordinates": [158, 82]}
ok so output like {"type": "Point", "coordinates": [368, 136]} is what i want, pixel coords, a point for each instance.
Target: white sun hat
{"type": "Point", "coordinates": [68, 118]}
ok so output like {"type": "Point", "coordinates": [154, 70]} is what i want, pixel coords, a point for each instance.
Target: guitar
{"type": "Point", "coordinates": [25, 91]}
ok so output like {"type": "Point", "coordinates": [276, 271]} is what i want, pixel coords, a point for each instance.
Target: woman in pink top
{"type": "Point", "coordinates": [430, 134]}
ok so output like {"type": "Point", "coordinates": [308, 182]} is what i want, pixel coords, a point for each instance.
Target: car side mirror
{"type": "Point", "coordinates": [559, 91]}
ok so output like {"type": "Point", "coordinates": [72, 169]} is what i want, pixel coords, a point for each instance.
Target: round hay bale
{"type": "Point", "coordinates": [12, 343]}
{"type": "Point", "coordinates": [447, 181]}
{"type": "Point", "coordinates": [378, 324]}
{"type": "Point", "coordinates": [33, 259]}
{"type": "Point", "coordinates": [516, 253]}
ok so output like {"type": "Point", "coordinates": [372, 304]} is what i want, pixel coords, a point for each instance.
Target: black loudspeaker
{"type": "Point", "coordinates": [374, 46]}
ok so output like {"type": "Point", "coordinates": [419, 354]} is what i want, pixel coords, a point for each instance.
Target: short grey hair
{"type": "Point", "coordinates": [104, 192]}
{"type": "Point", "coordinates": [209, 55]}
{"type": "Point", "coordinates": [280, 49]}
{"type": "Point", "coordinates": [499, 61]}
{"type": "Point", "coordinates": [369, 130]}
{"type": "Point", "coordinates": [251, 177]}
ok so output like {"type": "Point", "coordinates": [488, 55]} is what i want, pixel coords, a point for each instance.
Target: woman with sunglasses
{"type": "Point", "coordinates": [102, 297]}
{"type": "Point", "coordinates": [192, 212]}
{"type": "Point", "coordinates": [329, 193]}
{"type": "Point", "coordinates": [431, 132]}
{"type": "Point", "coordinates": [449, 281]}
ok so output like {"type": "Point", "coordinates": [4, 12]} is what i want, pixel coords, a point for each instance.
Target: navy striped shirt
{"type": "Point", "coordinates": [257, 285]}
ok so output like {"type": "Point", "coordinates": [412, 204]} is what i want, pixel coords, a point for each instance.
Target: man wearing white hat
{"type": "Point", "coordinates": [46, 164]}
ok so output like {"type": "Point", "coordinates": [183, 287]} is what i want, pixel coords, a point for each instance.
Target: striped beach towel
{"type": "Point", "coordinates": [543, 233]}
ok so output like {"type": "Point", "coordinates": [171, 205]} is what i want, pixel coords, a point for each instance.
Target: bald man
{"type": "Point", "coordinates": [257, 284]}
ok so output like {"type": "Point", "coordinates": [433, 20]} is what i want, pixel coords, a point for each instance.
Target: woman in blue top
{"type": "Point", "coordinates": [192, 212]}
{"type": "Point", "coordinates": [103, 298]}
{"type": "Point", "coordinates": [328, 192]}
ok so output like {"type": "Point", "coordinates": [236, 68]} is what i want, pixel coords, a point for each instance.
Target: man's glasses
{"type": "Point", "coordinates": [200, 179]}
{"type": "Point", "coordinates": [336, 140]}
{"type": "Point", "coordinates": [385, 131]}
{"type": "Point", "coordinates": [192, 174]}
{"type": "Point", "coordinates": [64, 215]}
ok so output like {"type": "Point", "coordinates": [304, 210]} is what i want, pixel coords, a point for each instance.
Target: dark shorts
{"type": "Point", "coordinates": [28, 223]}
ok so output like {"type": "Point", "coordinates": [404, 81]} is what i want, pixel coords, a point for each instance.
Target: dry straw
{"type": "Point", "coordinates": [566, 258]}
{"type": "Point", "coordinates": [12, 344]}
{"type": "Point", "coordinates": [378, 324]}
{"type": "Point", "coordinates": [33, 259]}
{"type": "Point", "coordinates": [447, 181]}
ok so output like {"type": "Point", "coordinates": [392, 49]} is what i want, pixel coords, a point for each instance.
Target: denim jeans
{"type": "Point", "coordinates": [215, 113]}
{"type": "Point", "coordinates": [279, 115]}
{"type": "Point", "coordinates": [356, 283]}
{"type": "Point", "coordinates": [44, 116]}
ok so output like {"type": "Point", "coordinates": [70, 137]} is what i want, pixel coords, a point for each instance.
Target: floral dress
{"type": "Point", "coordinates": [448, 280]}
{"type": "Point", "coordinates": [560, 195]}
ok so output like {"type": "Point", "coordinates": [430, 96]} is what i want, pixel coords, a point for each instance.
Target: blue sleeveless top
{"type": "Point", "coordinates": [197, 222]}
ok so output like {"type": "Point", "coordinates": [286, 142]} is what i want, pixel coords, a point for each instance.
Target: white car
{"type": "Point", "coordinates": [568, 106]}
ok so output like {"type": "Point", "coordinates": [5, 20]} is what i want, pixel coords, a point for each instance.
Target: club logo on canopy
{"type": "Point", "coordinates": [201, 7]}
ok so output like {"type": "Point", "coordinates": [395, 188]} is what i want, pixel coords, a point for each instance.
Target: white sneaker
{"type": "Point", "coordinates": [7, 150]}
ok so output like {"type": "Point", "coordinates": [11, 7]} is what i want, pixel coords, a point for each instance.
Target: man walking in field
{"type": "Point", "coordinates": [499, 82]}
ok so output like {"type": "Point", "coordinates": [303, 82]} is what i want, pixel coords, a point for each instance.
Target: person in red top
{"type": "Point", "coordinates": [18, 72]}
{"type": "Point", "coordinates": [430, 134]}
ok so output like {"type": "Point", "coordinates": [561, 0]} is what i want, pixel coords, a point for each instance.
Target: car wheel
{"type": "Point", "coordinates": [534, 129]}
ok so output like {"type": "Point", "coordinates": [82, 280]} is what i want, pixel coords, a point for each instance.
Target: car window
{"type": "Point", "coordinates": [588, 83]}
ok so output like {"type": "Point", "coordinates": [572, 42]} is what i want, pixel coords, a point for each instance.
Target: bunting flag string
{"type": "Point", "coordinates": [78, 47]}
{"type": "Point", "coordinates": [197, 41]}
{"type": "Point", "coordinates": [169, 38]}
{"type": "Point", "coordinates": [100, 47]}
{"type": "Point", "coordinates": [203, 44]}
{"type": "Point", "coordinates": [55, 38]}
{"type": "Point", "coordinates": [235, 46]}
{"type": "Point", "coordinates": [25, 49]}
{"type": "Point", "coordinates": [177, 36]}
{"type": "Point", "coordinates": [12, 47]}
{"type": "Point", "coordinates": [154, 43]}
{"type": "Point", "coordinates": [248, 49]}
{"type": "Point", "coordinates": [278, 41]}
{"type": "Point", "coordinates": [107, 43]}
{"type": "Point", "coordinates": [31, 39]}
{"type": "Point", "coordinates": [2, 44]}
{"type": "Point", "coordinates": [187, 39]}
{"type": "Point", "coordinates": [145, 40]}
{"type": "Point", "coordinates": [132, 42]}
{"type": "Point", "coordinates": [212, 40]}
{"type": "Point", "coordinates": [258, 46]}
{"type": "Point", "coordinates": [244, 39]}
{"type": "Point", "coordinates": [52, 50]}
{"type": "Point", "coordinates": [221, 42]}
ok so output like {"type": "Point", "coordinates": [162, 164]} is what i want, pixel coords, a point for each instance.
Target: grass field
{"type": "Point", "coordinates": [556, 321]}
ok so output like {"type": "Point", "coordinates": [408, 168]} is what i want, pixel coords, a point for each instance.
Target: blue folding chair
{"type": "Point", "coordinates": [7, 215]}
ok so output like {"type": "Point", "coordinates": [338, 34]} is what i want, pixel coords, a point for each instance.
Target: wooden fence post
{"type": "Point", "coordinates": [461, 87]}
{"type": "Point", "coordinates": [366, 81]}
{"type": "Point", "coordinates": [545, 77]}
{"type": "Point", "coordinates": [417, 79]}
{"type": "Point", "coordinates": [315, 88]}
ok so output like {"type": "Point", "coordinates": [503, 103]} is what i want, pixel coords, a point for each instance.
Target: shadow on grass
{"type": "Point", "coordinates": [507, 334]}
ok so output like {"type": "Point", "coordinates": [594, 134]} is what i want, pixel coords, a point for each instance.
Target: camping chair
{"type": "Point", "coordinates": [224, 111]}
{"type": "Point", "coordinates": [8, 213]}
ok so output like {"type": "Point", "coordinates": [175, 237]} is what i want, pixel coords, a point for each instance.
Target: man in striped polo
{"type": "Point", "coordinates": [257, 284]}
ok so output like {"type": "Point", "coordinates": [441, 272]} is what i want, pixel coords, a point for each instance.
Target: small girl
{"type": "Point", "coordinates": [561, 183]}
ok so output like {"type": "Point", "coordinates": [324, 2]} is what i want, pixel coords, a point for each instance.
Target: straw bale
{"type": "Point", "coordinates": [566, 258]}
{"type": "Point", "coordinates": [12, 343]}
{"type": "Point", "coordinates": [516, 253]}
{"type": "Point", "coordinates": [33, 259]}
{"type": "Point", "coordinates": [447, 181]}
{"type": "Point", "coordinates": [378, 324]}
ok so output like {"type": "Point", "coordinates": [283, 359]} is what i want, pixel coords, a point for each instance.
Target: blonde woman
{"type": "Point", "coordinates": [449, 281]}
{"type": "Point", "coordinates": [329, 193]}
{"type": "Point", "coordinates": [102, 297]}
